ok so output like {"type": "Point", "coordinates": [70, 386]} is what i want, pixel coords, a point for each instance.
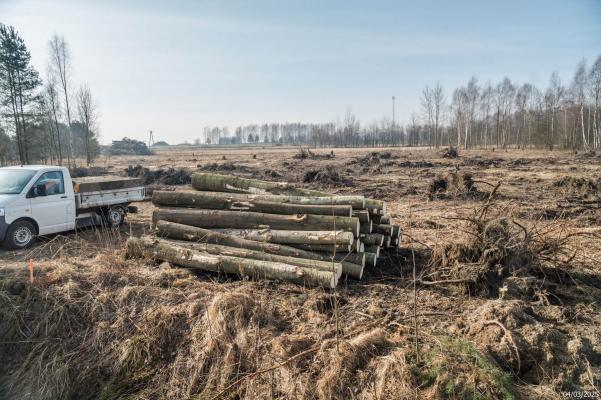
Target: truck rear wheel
{"type": "Point", "coordinates": [114, 217]}
{"type": "Point", "coordinates": [20, 234]}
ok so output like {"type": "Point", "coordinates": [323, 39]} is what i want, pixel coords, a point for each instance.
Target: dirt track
{"type": "Point", "coordinates": [530, 328]}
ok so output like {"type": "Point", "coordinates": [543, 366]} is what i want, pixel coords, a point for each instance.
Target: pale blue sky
{"type": "Point", "coordinates": [176, 66]}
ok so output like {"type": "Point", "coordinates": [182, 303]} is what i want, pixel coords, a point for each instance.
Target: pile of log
{"type": "Point", "coordinates": [267, 230]}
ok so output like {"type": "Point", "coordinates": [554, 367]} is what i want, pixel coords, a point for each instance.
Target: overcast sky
{"type": "Point", "coordinates": [176, 66]}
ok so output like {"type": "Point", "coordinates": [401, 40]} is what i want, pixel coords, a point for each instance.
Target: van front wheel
{"type": "Point", "coordinates": [19, 235]}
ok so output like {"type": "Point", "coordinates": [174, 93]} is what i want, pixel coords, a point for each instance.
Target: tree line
{"type": "Point", "coordinates": [501, 115]}
{"type": "Point", "coordinates": [43, 121]}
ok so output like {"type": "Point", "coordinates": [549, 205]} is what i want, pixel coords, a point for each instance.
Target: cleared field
{"type": "Point", "coordinates": [494, 292]}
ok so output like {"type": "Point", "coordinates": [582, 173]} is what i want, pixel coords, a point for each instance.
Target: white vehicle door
{"type": "Point", "coordinates": [50, 203]}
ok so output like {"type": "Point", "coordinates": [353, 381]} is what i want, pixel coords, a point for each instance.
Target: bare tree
{"type": "Point", "coordinates": [60, 65]}
{"type": "Point", "coordinates": [428, 110]}
{"type": "Point", "coordinates": [438, 104]}
{"type": "Point", "coordinates": [53, 107]}
{"type": "Point", "coordinates": [578, 91]}
{"type": "Point", "coordinates": [87, 115]}
{"type": "Point", "coordinates": [595, 91]}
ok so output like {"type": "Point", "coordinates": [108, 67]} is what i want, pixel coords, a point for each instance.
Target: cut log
{"type": "Point", "coordinates": [232, 184]}
{"type": "Point", "coordinates": [231, 201]}
{"type": "Point", "coordinates": [376, 207]}
{"type": "Point", "coordinates": [387, 241]}
{"type": "Point", "coordinates": [340, 248]}
{"type": "Point", "coordinates": [366, 227]}
{"type": "Point", "coordinates": [191, 233]}
{"type": "Point", "coordinates": [373, 249]}
{"type": "Point", "coordinates": [383, 229]}
{"type": "Point", "coordinates": [363, 215]}
{"type": "Point", "coordinates": [384, 219]}
{"type": "Point", "coordinates": [292, 237]}
{"type": "Point", "coordinates": [186, 257]}
{"type": "Point", "coordinates": [373, 239]}
{"type": "Point", "coordinates": [355, 258]}
{"type": "Point", "coordinates": [258, 255]}
{"type": "Point", "coordinates": [356, 202]}
{"type": "Point", "coordinates": [253, 220]}
{"type": "Point", "coordinates": [371, 259]}
{"type": "Point", "coordinates": [396, 231]}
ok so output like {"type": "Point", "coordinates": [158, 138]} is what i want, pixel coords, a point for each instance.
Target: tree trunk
{"type": "Point", "coordinates": [221, 201]}
{"type": "Point", "coordinates": [363, 215]}
{"type": "Point", "coordinates": [185, 257]}
{"type": "Point", "coordinates": [258, 255]}
{"type": "Point", "coordinates": [193, 234]}
{"type": "Point", "coordinates": [366, 227]}
{"type": "Point", "coordinates": [373, 249]}
{"type": "Point", "coordinates": [232, 184]}
{"type": "Point", "coordinates": [340, 248]}
{"type": "Point", "coordinates": [371, 259]}
{"type": "Point", "coordinates": [253, 220]}
{"type": "Point", "coordinates": [356, 202]}
{"type": "Point", "coordinates": [292, 237]}
{"type": "Point", "coordinates": [373, 239]}
{"type": "Point", "coordinates": [384, 229]}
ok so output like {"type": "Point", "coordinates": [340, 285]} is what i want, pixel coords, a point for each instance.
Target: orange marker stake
{"type": "Point", "coordinates": [31, 271]}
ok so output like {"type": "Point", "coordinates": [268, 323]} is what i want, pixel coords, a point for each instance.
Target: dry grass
{"type": "Point", "coordinates": [521, 320]}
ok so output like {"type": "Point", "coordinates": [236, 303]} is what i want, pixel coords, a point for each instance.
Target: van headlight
{"type": "Point", "coordinates": [1, 211]}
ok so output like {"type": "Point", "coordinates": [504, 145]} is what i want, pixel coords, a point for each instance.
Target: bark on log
{"type": "Point", "coordinates": [384, 220]}
{"type": "Point", "coordinates": [373, 249]}
{"type": "Point", "coordinates": [232, 184]}
{"type": "Point", "coordinates": [194, 234]}
{"type": "Point", "coordinates": [356, 202]}
{"type": "Point", "coordinates": [230, 201]}
{"type": "Point", "coordinates": [185, 257]}
{"type": "Point", "coordinates": [340, 248]}
{"type": "Point", "coordinates": [366, 227]}
{"type": "Point", "coordinates": [363, 215]}
{"type": "Point", "coordinates": [330, 266]}
{"type": "Point", "coordinates": [376, 207]}
{"type": "Point", "coordinates": [396, 231]}
{"type": "Point", "coordinates": [226, 183]}
{"type": "Point", "coordinates": [376, 239]}
{"type": "Point", "coordinates": [354, 258]}
{"type": "Point", "coordinates": [371, 259]}
{"type": "Point", "coordinates": [253, 220]}
{"type": "Point", "coordinates": [292, 237]}
{"type": "Point", "coordinates": [384, 229]}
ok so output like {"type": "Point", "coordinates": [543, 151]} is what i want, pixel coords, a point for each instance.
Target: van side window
{"type": "Point", "coordinates": [54, 182]}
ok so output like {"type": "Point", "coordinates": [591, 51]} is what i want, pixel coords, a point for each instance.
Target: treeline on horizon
{"type": "Point", "coordinates": [502, 115]}
{"type": "Point", "coordinates": [49, 121]}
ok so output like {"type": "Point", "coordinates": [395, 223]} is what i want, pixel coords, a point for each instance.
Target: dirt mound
{"type": "Point", "coordinates": [531, 344]}
{"type": "Point", "coordinates": [451, 152]}
{"type": "Point", "coordinates": [170, 176]}
{"type": "Point", "coordinates": [579, 185]}
{"type": "Point", "coordinates": [373, 158]}
{"type": "Point", "coordinates": [455, 185]}
{"type": "Point", "coordinates": [328, 177]}
{"type": "Point", "coordinates": [304, 154]}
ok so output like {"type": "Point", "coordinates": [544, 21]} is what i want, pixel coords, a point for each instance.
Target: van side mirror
{"type": "Point", "coordinates": [39, 190]}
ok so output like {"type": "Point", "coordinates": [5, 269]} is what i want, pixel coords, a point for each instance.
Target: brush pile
{"type": "Point", "coordinates": [268, 230]}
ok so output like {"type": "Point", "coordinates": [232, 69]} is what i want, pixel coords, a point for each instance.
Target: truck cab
{"type": "Point", "coordinates": [37, 200]}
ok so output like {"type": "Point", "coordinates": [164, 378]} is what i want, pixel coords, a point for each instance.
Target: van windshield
{"type": "Point", "coordinates": [13, 181]}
